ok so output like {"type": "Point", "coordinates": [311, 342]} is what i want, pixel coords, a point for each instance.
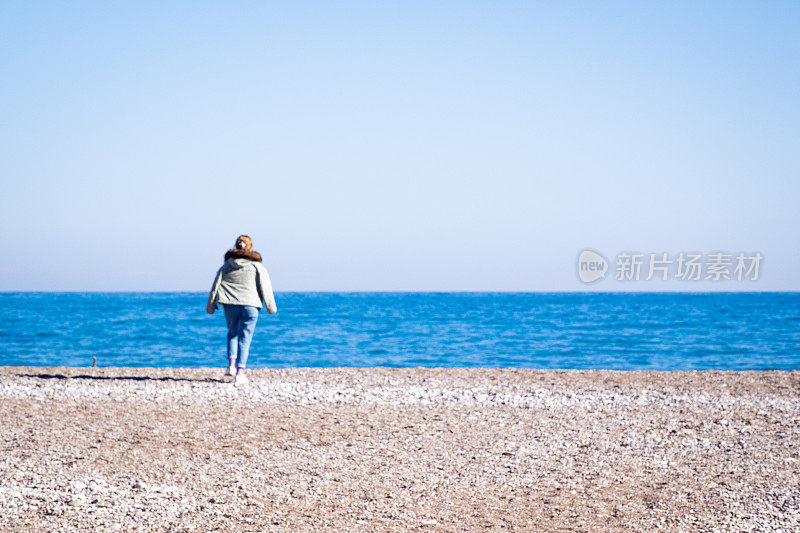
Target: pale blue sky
{"type": "Point", "coordinates": [394, 146]}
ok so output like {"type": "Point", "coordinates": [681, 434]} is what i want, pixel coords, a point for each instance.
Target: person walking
{"type": "Point", "coordinates": [241, 286]}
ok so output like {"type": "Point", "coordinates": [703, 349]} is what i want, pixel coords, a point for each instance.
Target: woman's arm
{"type": "Point", "coordinates": [211, 304]}
{"type": "Point", "coordinates": [265, 289]}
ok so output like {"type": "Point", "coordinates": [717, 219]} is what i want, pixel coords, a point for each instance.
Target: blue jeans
{"type": "Point", "coordinates": [241, 321]}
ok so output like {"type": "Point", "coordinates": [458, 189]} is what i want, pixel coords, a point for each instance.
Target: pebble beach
{"type": "Point", "coordinates": [383, 449]}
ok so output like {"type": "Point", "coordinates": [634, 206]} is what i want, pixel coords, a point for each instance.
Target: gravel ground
{"type": "Point", "coordinates": [377, 449]}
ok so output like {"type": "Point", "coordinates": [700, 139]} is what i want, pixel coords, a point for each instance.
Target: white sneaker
{"type": "Point", "coordinates": [231, 371]}
{"type": "Point", "coordinates": [240, 379]}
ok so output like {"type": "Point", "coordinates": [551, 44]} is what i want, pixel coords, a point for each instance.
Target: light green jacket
{"type": "Point", "coordinates": [242, 282]}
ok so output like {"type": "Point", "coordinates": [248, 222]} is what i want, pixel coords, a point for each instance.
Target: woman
{"type": "Point", "coordinates": [241, 286]}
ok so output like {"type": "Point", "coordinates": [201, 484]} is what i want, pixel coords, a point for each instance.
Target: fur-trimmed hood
{"type": "Point", "coordinates": [234, 253]}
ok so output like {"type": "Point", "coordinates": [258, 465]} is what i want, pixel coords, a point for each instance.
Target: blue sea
{"type": "Point", "coordinates": [631, 331]}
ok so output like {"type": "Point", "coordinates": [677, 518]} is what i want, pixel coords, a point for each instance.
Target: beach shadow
{"type": "Point", "coordinates": [120, 378]}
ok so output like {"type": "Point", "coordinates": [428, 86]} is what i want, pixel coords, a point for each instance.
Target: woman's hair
{"type": "Point", "coordinates": [243, 248]}
{"type": "Point", "coordinates": [243, 242]}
